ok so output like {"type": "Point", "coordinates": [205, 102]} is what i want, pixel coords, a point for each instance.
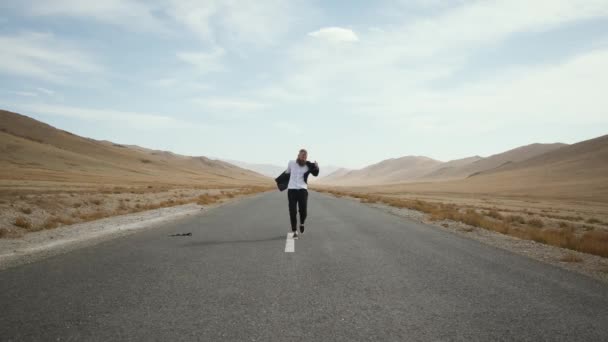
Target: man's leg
{"type": "Point", "coordinates": [292, 198]}
{"type": "Point", "coordinates": [303, 207]}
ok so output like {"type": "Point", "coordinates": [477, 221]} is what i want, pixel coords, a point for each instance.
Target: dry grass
{"type": "Point", "coordinates": [94, 216]}
{"type": "Point", "coordinates": [54, 222]}
{"type": "Point", "coordinates": [594, 242]}
{"type": "Point", "coordinates": [571, 257]}
{"type": "Point", "coordinates": [536, 223]}
{"type": "Point", "coordinates": [22, 222]}
{"type": "Point", "coordinates": [59, 206]}
{"type": "Point", "coordinates": [206, 199]}
{"type": "Point", "coordinates": [494, 214]}
{"type": "Point", "coordinates": [6, 233]}
{"type": "Point", "coordinates": [515, 219]}
{"type": "Point", "coordinates": [591, 241]}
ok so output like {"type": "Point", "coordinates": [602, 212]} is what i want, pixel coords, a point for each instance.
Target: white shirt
{"type": "Point", "coordinates": [296, 175]}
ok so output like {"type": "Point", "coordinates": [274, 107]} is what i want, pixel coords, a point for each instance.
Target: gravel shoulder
{"type": "Point", "coordinates": [587, 264]}
{"type": "Point", "coordinates": [39, 245]}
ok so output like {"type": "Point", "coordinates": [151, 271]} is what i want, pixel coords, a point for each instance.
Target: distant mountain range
{"type": "Point", "coordinates": [423, 169]}
{"type": "Point", "coordinates": [578, 172]}
{"type": "Point", "coordinates": [273, 171]}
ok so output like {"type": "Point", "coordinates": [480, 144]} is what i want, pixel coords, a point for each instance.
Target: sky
{"type": "Point", "coordinates": [354, 82]}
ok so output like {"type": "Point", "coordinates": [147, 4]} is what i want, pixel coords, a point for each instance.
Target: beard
{"type": "Point", "coordinates": [301, 162]}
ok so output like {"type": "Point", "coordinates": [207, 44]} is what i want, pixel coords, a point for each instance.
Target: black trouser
{"type": "Point", "coordinates": [299, 198]}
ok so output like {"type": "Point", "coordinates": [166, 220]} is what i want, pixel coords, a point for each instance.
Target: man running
{"type": "Point", "coordinates": [295, 179]}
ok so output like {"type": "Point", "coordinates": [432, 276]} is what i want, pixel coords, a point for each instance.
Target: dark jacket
{"type": "Point", "coordinates": [283, 179]}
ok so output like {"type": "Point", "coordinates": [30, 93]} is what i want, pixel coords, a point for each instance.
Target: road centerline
{"type": "Point", "coordinates": [290, 243]}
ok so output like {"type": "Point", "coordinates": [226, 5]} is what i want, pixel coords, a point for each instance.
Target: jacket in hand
{"type": "Point", "coordinates": [283, 179]}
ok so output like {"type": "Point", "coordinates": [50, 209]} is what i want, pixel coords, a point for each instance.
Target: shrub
{"type": "Point", "coordinates": [571, 257]}
{"type": "Point", "coordinates": [515, 219]}
{"type": "Point", "coordinates": [594, 242]}
{"type": "Point", "coordinates": [22, 222]}
{"type": "Point", "coordinates": [538, 223]}
{"type": "Point", "coordinates": [494, 214]}
{"type": "Point", "coordinates": [206, 199]}
{"type": "Point", "coordinates": [26, 211]}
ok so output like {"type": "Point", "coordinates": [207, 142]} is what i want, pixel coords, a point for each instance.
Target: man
{"type": "Point", "coordinates": [295, 179]}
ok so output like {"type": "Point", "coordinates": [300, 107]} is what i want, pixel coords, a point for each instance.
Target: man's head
{"type": "Point", "coordinates": [302, 156]}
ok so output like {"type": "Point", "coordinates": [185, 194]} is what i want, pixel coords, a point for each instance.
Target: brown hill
{"type": "Point", "coordinates": [577, 172]}
{"type": "Point", "coordinates": [496, 161]}
{"type": "Point", "coordinates": [32, 150]}
{"type": "Point", "coordinates": [387, 171]}
{"type": "Point", "coordinates": [449, 170]}
{"type": "Point", "coordinates": [336, 175]}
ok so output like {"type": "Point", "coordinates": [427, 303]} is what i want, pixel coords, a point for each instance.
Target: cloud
{"type": "Point", "coordinates": [204, 62]}
{"type": "Point", "coordinates": [335, 34]}
{"type": "Point", "coordinates": [212, 21]}
{"type": "Point", "coordinates": [42, 56]}
{"type": "Point", "coordinates": [234, 21]}
{"type": "Point", "coordinates": [386, 65]}
{"type": "Point", "coordinates": [25, 93]}
{"type": "Point", "coordinates": [45, 91]}
{"type": "Point", "coordinates": [128, 14]}
{"type": "Point", "coordinates": [133, 119]}
{"type": "Point", "coordinates": [229, 104]}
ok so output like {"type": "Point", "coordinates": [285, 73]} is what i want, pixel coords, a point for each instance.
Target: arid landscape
{"type": "Point", "coordinates": [555, 194]}
{"type": "Point", "coordinates": [50, 177]}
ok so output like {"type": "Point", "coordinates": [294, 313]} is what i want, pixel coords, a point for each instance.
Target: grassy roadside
{"type": "Point", "coordinates": [24, 212]}
{"type": "Point", "coordinates": [571, 232]}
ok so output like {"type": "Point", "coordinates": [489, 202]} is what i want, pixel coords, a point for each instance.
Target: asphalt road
{"type": "Point", "coordinates": [358, 274]}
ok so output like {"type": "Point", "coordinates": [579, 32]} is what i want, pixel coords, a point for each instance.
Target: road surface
{"type": "Point", "coordinates": [358, 274]}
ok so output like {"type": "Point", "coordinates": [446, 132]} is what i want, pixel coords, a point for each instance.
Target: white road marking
{"type": "Point", "coordinates": [290, 245]}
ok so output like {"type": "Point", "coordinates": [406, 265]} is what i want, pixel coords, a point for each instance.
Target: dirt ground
{"type": "Point", "coordinates": [33, 206]}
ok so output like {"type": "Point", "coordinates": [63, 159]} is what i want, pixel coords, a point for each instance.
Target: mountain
{"type": "Point", "coordinates": [422, 169]}
{"type": "Point", "coordinates": [335, 175]}
{"type": "Point", "coordinates": [268, 170]}
{"type": "Point", "coordinates": [387, 171]}
{"type": "Point", "coordinates": [448, 170]}
{"type": "Point", "coordinates": [498, 160]}
{"type": "Point", "coordinates": [32, 150]}
{"type": "Point", "coordinates": [572, 172]}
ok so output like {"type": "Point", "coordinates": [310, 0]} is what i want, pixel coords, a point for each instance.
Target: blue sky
{"type": "Point", "coordinates": [355, 82]}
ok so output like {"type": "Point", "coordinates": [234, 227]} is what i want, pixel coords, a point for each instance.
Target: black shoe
{"type": "Point", "coordinates": [302, 229]}
{"type": "Point", "coordinates": [295, 235]}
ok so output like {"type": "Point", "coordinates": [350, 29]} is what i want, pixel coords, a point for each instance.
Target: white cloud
{"type": "Point", "coordinates": [128, 14]}
{"type": "Point", "coordinates": [204, 62]}
{"type": "Point", "coordinates": [388, 65]}
{"type": "Point", "coordinates": [42, 56]}
{"type": "Point", "coordinates": [133, 119]}
{"type": "Point", "coordinates": [335, 34]}
{"type": "Point", "coordinates": [212, 21]}
{"type": "Point", "coordinates": [181, 84]}
{"type": "Point", "coordinates": [234, 21]}
{"type": "Point", "coordinates": [45, 91]}
{"type": "Point", "coordinates": [229, 104]}
{"type": "Point", "coordinates": [25, 93]}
